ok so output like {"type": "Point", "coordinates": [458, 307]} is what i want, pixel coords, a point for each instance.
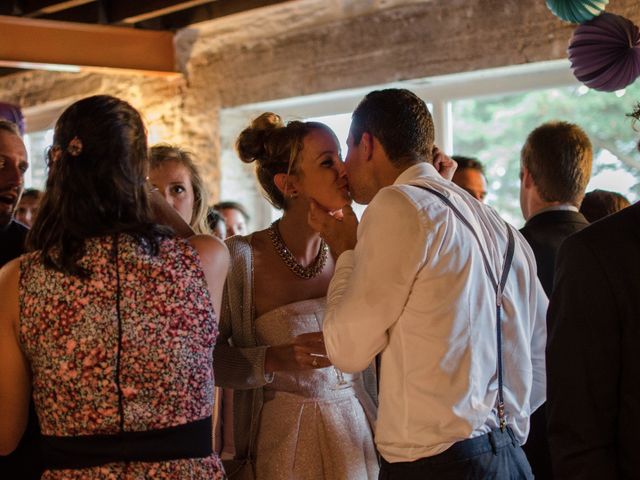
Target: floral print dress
{"type": "Point", "coordinates": [127, 349]}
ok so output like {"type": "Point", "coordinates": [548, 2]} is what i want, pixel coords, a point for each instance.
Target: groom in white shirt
{"type": "Point", "coordinates": [419, 281]}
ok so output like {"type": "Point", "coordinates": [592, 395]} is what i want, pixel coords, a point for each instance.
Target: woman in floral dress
{"type": "Point", "coordinates": [111, 322]}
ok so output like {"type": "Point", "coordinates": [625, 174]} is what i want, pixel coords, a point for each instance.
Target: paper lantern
{"type": "Point", "coordinates": [577, 11]}
{"type": "Point", "coordinates": [13, 114]}
{"type": "Point", "coordinates": [605, 52]}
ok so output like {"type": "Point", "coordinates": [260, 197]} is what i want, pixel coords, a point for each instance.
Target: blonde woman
{"type": "Point", "coordinates": [295, 416]}
{"type": "Point", "coordinates": [174, 173]}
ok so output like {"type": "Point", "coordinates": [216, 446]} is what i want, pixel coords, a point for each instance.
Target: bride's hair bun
{"type": "Point", "coordinates": [253, 142]}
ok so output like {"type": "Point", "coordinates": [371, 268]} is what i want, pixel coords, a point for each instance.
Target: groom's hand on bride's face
{"type": "Point", "coordinates": [339, 230]}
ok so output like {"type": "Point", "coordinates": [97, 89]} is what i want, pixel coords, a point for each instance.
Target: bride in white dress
{"type": "Point", "coordinates": [295, 416]}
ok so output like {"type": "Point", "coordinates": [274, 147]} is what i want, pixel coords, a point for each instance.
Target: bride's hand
{"type": "Point", "coordinates": [306, 352]}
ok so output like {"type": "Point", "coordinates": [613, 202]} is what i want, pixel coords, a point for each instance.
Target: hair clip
{"type": "Point", "coordinates": [53, 155]}
{"type": "Point", "coordinates": [75, 147]}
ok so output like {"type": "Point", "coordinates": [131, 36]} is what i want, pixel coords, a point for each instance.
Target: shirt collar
{"type": "Point", "coordinates": [420, 169]}
{"type": "Point", "coordinates": [566, 207]}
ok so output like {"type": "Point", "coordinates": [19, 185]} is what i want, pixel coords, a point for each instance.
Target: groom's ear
{"type": "Point", "coordinates": [367, 144]}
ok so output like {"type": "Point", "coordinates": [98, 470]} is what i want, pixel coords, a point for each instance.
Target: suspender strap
{"type": "Point", "coordinates": [498, 286]}
{"type": "Point", "coordinates": [499, 293]}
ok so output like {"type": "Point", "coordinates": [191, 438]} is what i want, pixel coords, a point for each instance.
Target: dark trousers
{"type": "Point", "coordinates": [537, 447]}
{"type": "Point", "coordinates": [495, 455]}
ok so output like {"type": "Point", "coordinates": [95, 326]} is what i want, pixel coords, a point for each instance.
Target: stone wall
{"type": "Point", "coordinates": [44, 94]}
{"type": "Point", "coordinates": [310, 46]}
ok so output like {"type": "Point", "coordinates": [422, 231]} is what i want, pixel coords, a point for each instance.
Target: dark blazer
{"type": "Point", "coordinates": [545, 233]}
{"type": "Point", "coordinates": [12, 239]}
{"type": "Point", "coordinates": [593, 352]}
{"type": "Point", "coordinates": [24, 463]}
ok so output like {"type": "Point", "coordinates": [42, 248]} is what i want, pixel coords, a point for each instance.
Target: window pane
{"type": "Point", "coordinates": [493, 129]}
{"type": "Point", "coordinates": [36, 144]}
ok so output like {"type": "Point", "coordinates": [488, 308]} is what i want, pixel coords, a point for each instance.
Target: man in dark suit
{"type": "Point", "coordinates": [555, 169]}
{"type": "Point", "coordinates": [24, 463]}
{"type": "Point", "coordinates": [593, 364]}
{"type": "Point", "coordinates": [13, 165]}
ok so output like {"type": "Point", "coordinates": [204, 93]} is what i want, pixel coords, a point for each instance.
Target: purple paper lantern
{"type": "Point", "coordinates": [605, 52]}
{"type": "Point", "coordinates": [13, 114]}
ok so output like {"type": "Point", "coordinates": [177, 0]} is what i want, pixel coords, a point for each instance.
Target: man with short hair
{"type": "Point", "coordinates": [470, 176]}
{"type": "Point", "coordinates": [13, 165]}
{"type": "Point", "coordinates": [555, 169]}
{"type": "Point", "coordinates": [24, 462]}
{"type": "Point", "coordinates": [28, 206]}
{"type": "Point", "coordinates": [418, 281]}
{"type": "Point", "coordinates": [236, 217]}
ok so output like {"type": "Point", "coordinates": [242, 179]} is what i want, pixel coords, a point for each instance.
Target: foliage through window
{"type": "Point", "coordinates": [493, 129]}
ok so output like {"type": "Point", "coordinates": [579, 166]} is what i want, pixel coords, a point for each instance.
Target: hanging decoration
{"type": "Point", "coordinates": [605, 52]}
{"type": "Point", "coordinates": [577, 11]}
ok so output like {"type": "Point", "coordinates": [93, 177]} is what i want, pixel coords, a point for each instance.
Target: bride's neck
{"type": "Point", "coordinates": [301, 240]}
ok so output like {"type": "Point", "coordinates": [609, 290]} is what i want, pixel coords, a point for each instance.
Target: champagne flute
{"type": "Point", "coordinates": [342, 383]}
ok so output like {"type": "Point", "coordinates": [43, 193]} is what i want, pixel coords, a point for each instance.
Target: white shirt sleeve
{"type": "Point", "coordinates": [371, 283]}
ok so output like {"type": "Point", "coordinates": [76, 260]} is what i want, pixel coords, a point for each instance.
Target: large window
{"type": "Point", "coordinates": [486, 114]}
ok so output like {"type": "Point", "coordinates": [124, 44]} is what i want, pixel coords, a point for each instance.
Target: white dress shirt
{"type": "Point", "coordinates": [415, 288]}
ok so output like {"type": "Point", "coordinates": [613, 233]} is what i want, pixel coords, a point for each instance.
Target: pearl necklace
{"type": "Point", "coordinates": [290, 261]}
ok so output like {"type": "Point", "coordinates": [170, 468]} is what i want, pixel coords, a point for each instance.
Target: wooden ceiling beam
{"type": "Point", "coordinates": [65, 45]}
{"type": "Point", "coordinates": [210, 11]}
{"type": "Point", "coordinates": [128, 12]}
{"type": "Point", "coordinates": [38, 8]}
{"type": "Point", "coordinates": [88, 13]}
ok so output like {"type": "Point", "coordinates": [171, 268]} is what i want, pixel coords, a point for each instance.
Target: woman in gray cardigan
{"type": "Point", "coordinates": [295, 415]}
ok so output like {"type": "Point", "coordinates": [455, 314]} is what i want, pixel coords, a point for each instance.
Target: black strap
{"type": "Point", "coordinates": [498, 286]}
{"type": "Point", "coordinates": [191, 440]}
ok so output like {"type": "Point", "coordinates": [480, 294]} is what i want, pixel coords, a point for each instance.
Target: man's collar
{"type": "Point", "coordinates": [417, 170]}
{"type": "Point", "coordinates": [565, 207]}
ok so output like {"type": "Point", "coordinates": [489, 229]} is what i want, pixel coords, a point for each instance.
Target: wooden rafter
{"type": "Point", "coordinates": [37, 8]}
{"type": "Point", "coordinates": [59, 45]}
{"type": "Point", "coordinates": [203, 13]}
{"type": "Point", "coordinates": [128, 12]}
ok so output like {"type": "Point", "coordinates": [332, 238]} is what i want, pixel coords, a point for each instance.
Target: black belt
{"type": "Point", "coordinates": [191, 440]}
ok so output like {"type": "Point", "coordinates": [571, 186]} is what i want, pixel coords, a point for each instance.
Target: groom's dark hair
{"type": "Point", "coordinates": [401, 122]}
